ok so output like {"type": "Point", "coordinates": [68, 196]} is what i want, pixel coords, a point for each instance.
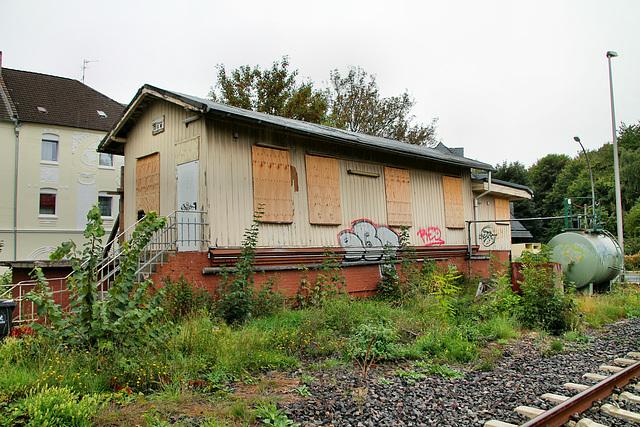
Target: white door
{"type": "Point", "coordinates": [188, 223]}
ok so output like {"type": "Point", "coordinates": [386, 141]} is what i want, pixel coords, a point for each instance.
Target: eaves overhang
{"type": "Point", "coordinates": [113, 142]}
{"type": "Point", "coordinates": [500, 188]}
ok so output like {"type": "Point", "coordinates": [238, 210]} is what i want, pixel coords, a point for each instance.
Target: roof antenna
{"type": "Point", "coordinates": [84, 67]}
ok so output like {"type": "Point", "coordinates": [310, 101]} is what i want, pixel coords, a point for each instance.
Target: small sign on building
{"type": "Point", "coordinates": [157, 126]}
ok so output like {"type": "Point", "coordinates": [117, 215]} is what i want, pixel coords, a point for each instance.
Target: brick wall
{"type": "Point", "coordinates": [361, 279]}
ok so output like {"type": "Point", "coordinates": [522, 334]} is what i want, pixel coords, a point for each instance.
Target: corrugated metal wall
{"type": "Point", "coordinates": [227, 190]}
{"type": "Point", "coordinates": [490, 235]}
{"type": "Point", "coordinates": [164, 143]}
{"type": "Point", "coordinates": [362, 197]}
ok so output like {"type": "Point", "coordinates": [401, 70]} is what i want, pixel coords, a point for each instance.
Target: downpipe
{"type": "Point", "coordinates": [15, 190]}
{"type": "Point", "coordinates": [476, 215]}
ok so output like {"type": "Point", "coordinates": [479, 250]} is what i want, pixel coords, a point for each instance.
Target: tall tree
{"type": "Point", "coordinates": [544, 174]}
{"type": "Point", "coordinates": [355, 104]}
{"type": "Point", "coordinates": [272, 91]}
{"type": "Point", "coordinates": [352, 102]}
{"type": "Point", "coordinates": [517, 173]}
{"type": "Point", "coordinates": [629, 145]}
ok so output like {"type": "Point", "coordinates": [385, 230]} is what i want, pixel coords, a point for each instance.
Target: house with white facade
{"type": "Point", "coordinates": [51, 173]}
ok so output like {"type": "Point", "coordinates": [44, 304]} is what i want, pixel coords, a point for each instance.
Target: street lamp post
{"type": "Point", "coordinates": [616, 165]}
{"type": "Point", "coordinates": [593, 190]}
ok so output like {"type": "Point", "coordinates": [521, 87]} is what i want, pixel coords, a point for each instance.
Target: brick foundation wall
{"type": "Point", "coordinates": [361, 280]}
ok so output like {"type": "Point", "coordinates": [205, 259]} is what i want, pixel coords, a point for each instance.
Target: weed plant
{"type": "Point", "coordinates": [544, 305]}
{"type": "Point", "coordinates": [128, 317]}
{"type": "Point", "coordinates": [236, 291]}
{"type": "Point", "coordinates": [327, 284]}
{"type": "Point", "coordinates": [55, 406]}
{"type": "Point", "coordinates": [182, 298]}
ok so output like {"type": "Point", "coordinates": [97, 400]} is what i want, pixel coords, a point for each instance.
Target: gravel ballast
{"type": "Point", "coordinates": [525, 371]}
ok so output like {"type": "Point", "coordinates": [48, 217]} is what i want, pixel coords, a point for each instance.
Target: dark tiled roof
{"type": "Point", "coordinates": [456, 151]}
{"type": "Point", "coordinates": [6, 106]}
{"type": "Point", "coordinates": [518, 230]}
{"type": "Point", "coordinates": [62, 101]}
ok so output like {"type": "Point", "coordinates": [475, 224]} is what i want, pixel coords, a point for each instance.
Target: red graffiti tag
{"type": "Point", "coordinates": [432, 236]}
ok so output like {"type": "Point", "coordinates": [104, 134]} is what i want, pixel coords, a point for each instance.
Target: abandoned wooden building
{"type": "Point", "coordinates": [212, 166]}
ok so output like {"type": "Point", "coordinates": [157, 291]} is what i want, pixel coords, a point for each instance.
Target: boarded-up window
{"type": "Point", "coordinates": [453, 204]}
{"type": "Point", "coordinates": [398, 190]}
{"type": "Point", "coordinates": [502, 210]}
{"type": "Point", "coordinates": [148, 183]}
{"type": "Point", "coordinates": [272, 184]}
{"type": "Point", "coordinates": [323, 190]}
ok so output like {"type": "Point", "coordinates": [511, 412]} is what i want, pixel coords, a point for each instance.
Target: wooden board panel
{"type": "Point", "coordinates": [502, 210]}
{"type": "Point", "coordinates": [187, 151]}
{"type": "Point", "coordinates": [453, 202]}
{"type": "Point", "coordinates": [148, 183]}
{"type": "Point", "coordinates": [398, 192]}
{"type": "Point", "coordinates": [272, 184]}
{"type": "Point", "coordinates": [323, 190]}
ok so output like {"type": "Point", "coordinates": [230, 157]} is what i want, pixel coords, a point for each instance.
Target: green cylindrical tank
{"type": "Point", "coordinates": [587, 257]}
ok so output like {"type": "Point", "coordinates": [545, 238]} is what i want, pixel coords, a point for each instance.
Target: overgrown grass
{"type": "Point", "coordinates": [606, 308]}
{"type": "Point", "coordinates": [206, 355]}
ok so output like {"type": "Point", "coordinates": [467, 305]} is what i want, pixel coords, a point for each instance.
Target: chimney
{"type": "Point", "coordinates": [0, 63]}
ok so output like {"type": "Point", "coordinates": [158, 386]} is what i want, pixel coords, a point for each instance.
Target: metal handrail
{"type": "Point", "coordinates": [163, 241]}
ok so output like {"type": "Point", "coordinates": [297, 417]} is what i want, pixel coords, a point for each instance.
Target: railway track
{"type": "Point", "coordinates": [621, 373]}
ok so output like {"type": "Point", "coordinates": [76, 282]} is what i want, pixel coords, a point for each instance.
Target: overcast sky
{"type": "Point", "coordinates": [509, 80]}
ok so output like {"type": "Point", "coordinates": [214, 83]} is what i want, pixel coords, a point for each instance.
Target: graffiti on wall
{"type": "Point", "coordinates": [568, 253]}
{"type": "Point", "coordinates": [189, 206]}
{"type": "Point", "coordinates": [366, 241]}
{"type": "Point", "coordinates": [431, 236]}
{"type": "Point", "coordinates": [488, 236]}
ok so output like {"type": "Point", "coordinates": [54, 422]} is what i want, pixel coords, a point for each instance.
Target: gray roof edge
{"type": "Point", "coordinates": [321, 131]}
{"type": "Point", "coordinates": [485, 177]}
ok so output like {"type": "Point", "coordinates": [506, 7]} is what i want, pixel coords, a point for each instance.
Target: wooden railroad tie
{"type": "Point", "coordinates": [631, 359]}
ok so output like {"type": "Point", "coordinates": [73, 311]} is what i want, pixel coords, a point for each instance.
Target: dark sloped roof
{"type": "Point", "coordinates": [62, 101]}
{"type": "Point", "coordinates": [518, 230]}
{"type": "Point", "coordinates": [456, 151]}
{"type": "Point", "coordinates": [210, 107]}
{"type": "Point", "coordinates": [7, 111]}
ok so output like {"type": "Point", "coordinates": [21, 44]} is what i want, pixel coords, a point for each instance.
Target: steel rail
{"type": "Point", "coordinates": [560, 414]}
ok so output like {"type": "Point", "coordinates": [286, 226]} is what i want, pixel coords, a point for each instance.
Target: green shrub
{"type": "Point", "coordinates": [375, 341]}
{"type": "Point", "coordinates": [388, 288]}
{"type": "Point", "coordinates": [556, 346]}
{"type": "Point", "coordinates": [183, 297]}
{"type": "Point", "coordinates": [632, 262]}
{"type": "Point", "coordinates": [270, 415]}
{"type": "Point", "coordinates": [267, 299]}
{"type": "Point", "coordinates": [500, 328]}
{"type": "Point", "coordinates": [543, 304]}
{"type": "Point", "coordinates": [6, 279]}
{"type": "Point", "coordinates": [488, 359]}
{"type": "Point", "coordinates": [448, 345]}
{"type": "Point", "coordinates": [58, 406]}
{"type": "Point", "coordinates": [236, 293]}
{"type": "Point", "coordinates": [128, 316]}
{"type": "Point", "coordinates": [443, 286]}
{"type": "Point", "coordinates": [329, 282]}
